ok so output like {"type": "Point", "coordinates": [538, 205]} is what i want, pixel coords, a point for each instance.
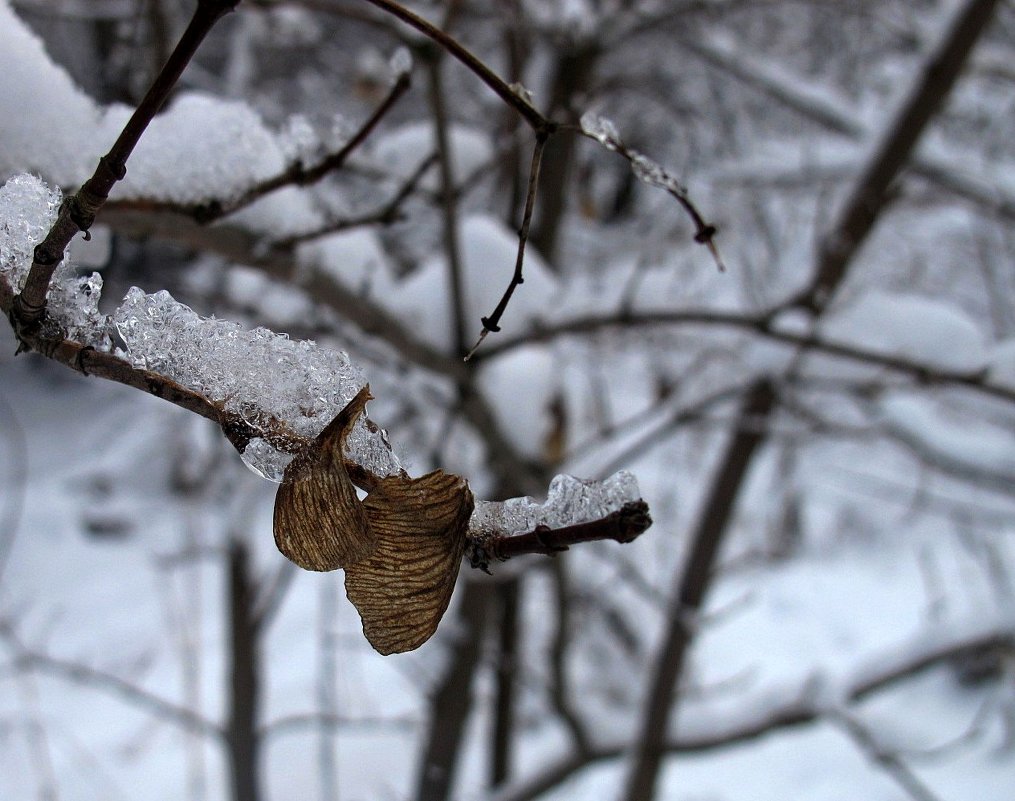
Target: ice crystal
{"type": "Point", "coordinates": [569, 501]}
{"type": "Point", "coordinates": [28, 209]}
{"type": "Point", "coordinates": [600, 129]}
{"type": "Point", "coordinates": [263, 377]}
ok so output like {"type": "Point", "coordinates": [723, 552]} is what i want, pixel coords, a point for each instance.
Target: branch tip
{"type": "Point", "coordinates": [482, 336]}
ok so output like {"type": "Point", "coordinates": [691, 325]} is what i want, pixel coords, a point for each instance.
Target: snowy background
{"type": "Point", "coordinates": [873, 535]}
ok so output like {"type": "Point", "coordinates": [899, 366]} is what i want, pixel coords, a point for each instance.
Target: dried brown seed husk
{"type": "Point", "coordinates": [319, 522]}
{"type": "Point", "coordinates": [403, 588]}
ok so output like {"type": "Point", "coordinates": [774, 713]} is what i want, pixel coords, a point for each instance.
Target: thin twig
{"type": "Point", "coordinates": [893, 766]}
{"type": "Point", "coordinates": [26, 658]}
{"type": "Point", "coordinates": [654, 174]}
{"type": "Point", "coordinates": [390, 212]}
{"type": "Point", "coordinates": [492, 323]}
{"type": "Point", "coordinates": [528, 112]}
{"type": "Point", "coordinates": [297, 174]}
{"type": "Point", "coordinates": [761, 323]}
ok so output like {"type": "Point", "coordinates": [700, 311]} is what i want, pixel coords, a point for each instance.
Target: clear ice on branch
{"type": "Point", "coordinates": [569, 501]}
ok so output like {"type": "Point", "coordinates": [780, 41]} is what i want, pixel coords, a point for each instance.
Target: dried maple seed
{"type": "Point", "coordinates": [403, 588]}
{"type": "Point", "coordinates": [319, 522]}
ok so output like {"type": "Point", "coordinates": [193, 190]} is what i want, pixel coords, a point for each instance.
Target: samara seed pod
{"type": "Point", "coordinates": [403, 587]}
{"type": "Point", "coordinates": [319, 522]}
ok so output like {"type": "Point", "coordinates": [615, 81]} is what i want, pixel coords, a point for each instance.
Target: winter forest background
{"type": "Point", "coordinates": [824, 432]}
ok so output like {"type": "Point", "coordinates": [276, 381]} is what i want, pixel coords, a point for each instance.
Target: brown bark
{"type": "Point", "coordinates": [508, 634]}
{"type": "Point", "coordinates": [572, 75]}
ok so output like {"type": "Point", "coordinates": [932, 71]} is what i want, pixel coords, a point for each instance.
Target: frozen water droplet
{"type": "Point", "coordinates": [522, 92]}
{"type": "Point", "coordinates": [371, 449]}
{"type": "Point", "coordinates": [601, 129]}
{"type": "Point", "coordinates": [654, 174]}
{"type": "Point", "coordinates": [265, 460]}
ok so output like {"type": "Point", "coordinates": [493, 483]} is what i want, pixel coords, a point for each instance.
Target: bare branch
{"type": "Point", "coordinates": [869, 193]}
{"type": "Point", "coordinates": [525, 109]}
{"type": "Point", "coordinates": [492, 323]}
{"type": "Point", "coordinates": [803, 705]}
{"type": "Point", "coordinates": [26, 658]}
{"type": "Point", "coordinates": [760, 323]}
{"type": "Point", "coordinates": [889, 761]}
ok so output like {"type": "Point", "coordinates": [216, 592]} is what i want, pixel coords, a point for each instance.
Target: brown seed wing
{"type": "Point", "coordinates": [403, 588]}
{"type": "Point", "coordinates": [319, 522]}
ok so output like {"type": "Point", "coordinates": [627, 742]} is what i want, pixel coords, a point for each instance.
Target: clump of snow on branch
{"type": "Point", "coordinates": [226, 149]}
{"type": "Point", "coordinates": [923, 329]}
{"type": "Point", "coordinates": [569, 501]}
{"type": "Point", "coordinates": [46, 118]}
{"type": "Point", "coordinates": [28, 208]}
{"type": "Point", "coordinates": [400, 62]}
{"type": "Point", "coordinates": [263, 377]}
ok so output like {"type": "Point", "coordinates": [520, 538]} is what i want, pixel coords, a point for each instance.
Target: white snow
{"type": "Point", "coordinates": [400, 151]}
{"type": "Point", "coordinates": [963, 440]}
{"type": "Point", "coordinates": [926, 330]}
{"type": "Point", "coordinates": [58, 138]}
{"type": "Point", "coordinates": [488, 262]}
{"type": "Point", "coordinates": [1002, 364]}
{"type": "Point", "coordinates": [569, 500]}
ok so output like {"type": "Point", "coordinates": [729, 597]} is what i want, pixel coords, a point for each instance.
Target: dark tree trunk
{"type": "Point", "coordinates": [508, 597]}
{"type": "Point", "coordinates": [452, 701]}
{"type": "Point", "coordinates": [242, 738]}
{"type": "Point", "coordinates": [712, 526]}
{"type": "Point", "coordinates": [573, 72]}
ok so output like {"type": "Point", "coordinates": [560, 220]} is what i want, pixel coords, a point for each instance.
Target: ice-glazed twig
{"type": "Point", "coordinates": [79, 210]}
{"type": "Point", "coordinates": [623, 525]}
{"type": "Point", "coordinates": [653, 174]}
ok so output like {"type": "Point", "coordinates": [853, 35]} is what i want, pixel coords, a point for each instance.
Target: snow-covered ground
{"type": "Point", "coordinates": [113, 571]}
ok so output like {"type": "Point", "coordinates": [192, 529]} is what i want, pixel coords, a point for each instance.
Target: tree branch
{"type": "Point", "coordinates": [448, 43]}
{"type": "Point", "coordinates": [78, 212]}
{"type": "Point", "coordinates": [624, 525]}
{"type": "Point", "coordinates": [492, 323]}
{"type": "Point", "coordinates": [870, 191]}
{"type": "Point", "coordinates": [761, 323]}
{"type": "Point", "coordinates": [26, 658]}
{"type": "Point", "coordinates": [803, 705]}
